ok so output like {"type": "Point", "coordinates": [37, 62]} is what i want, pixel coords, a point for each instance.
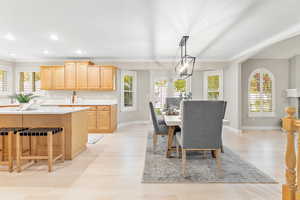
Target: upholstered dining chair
{"type": "Point", "coordinates": [173, 102]}
{"type": "Point", "coordinates": [159, 126]}
{"type": "Point", "coordinates": [201, 129]}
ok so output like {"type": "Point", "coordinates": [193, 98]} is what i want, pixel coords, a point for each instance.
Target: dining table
{"type": "Point", "coordinates": [173, 121]}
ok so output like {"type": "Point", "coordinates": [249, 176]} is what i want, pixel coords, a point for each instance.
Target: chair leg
{"type": "Point", "coordinates": [218, 158]}
{"type": "Point", "coordinates": [50, 150]}
{"type": "Point", "coordinates": [177, 148]}
{"type": "Point", "coordinates": [9, 146]}
{"type": "Point", "coordinates": [19, 152]}
{"type": "Point", "coordinates": [155, 138]}
{"type": "Point", "coordinates": [63, 145]}
{"type": "Point", "coordinates": [183, 161]}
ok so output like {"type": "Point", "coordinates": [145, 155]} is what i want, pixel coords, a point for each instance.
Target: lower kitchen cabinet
{"type": "Point", "coordinates": [101, 119]}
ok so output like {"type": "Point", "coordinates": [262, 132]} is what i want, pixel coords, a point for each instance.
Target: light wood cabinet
{"type": "Point", "coordinates": [46, 77]}
{"type": "Point", "coordinates": [92, 120]}
{"type": "Point", "coordinates": [101, 119]}
{"type": "Point", "coordinates": [107, 77]}
{"type": "Point", "coordinates": [70, 75]}
{"type": "Point", "coordinates": [93, 75]}
{"type": "Point", "coordinates": [82, 75]}
{"type": "Point", "coordinates": [78, 75]}
{"type": "Point", "coordinates": [58, 77]}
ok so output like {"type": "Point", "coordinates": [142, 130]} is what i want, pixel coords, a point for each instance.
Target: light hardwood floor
{"type": "Point", "coordinates": [112, 170]}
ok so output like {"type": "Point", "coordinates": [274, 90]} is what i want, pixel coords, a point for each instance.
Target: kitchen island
{"type": "Point", "coordinates": [74, 120]}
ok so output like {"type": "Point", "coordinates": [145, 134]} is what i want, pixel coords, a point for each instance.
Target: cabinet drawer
{"type": "Point", "coordinates": [103, 108]}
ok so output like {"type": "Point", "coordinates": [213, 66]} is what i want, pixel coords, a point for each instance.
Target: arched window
{"type": "Point", "coordinates": [261, 97]}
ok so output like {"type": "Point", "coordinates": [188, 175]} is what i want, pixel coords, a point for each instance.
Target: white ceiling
{"type": "Point", "coordinates": [281, 50]}
{"type": "Point", "coordinates": [141, 29]}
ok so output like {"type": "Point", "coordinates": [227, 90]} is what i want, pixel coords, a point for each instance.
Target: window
{"type": "Point", "coordinates": [260, 93]}
{"type": "Point", "coordinates": [213, 85]}
{"type": "Point", "coordinates": [160, 95]}
{"type": "Point", "coordinates": [29, 82]}
{"type": "Point", "coordinates": [128, 93]}
{"type": "Point", "coordinates": [180, 86]}
{"type": "Point", "coordinates": [3, 82]}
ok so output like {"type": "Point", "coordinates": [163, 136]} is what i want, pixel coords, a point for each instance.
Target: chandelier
{"type": "Point", "coordinates": [185, 67]}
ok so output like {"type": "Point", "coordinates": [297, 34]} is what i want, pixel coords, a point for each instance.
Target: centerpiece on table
{"type": "Point", "coordinates": [24, 100]}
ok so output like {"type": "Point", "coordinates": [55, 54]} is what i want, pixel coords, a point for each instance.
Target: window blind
{"type": "Point", "coordinates": [3, 81]}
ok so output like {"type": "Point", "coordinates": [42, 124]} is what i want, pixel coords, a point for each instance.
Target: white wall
{"type": "Point", "coordinates": [232, 88]}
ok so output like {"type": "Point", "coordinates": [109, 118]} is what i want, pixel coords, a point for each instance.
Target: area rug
{"type": "Point", "coordinates": [201, 167]}
{"type": "Point", "coordinates": [94, 138]}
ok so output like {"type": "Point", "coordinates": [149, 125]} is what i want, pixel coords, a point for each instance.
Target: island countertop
{"type": "Point", "coordinates": [43, 110]}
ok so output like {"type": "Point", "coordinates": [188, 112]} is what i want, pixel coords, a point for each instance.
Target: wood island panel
{"type": "Point", "coordinates": [75, 125]}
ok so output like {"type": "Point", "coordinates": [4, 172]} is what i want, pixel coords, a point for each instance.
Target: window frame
{"type": "Point", "coordinates": [205, 85]}
{"type": "Point", "coordinates": [17, 76]}
{"type": "Point", "coordinates": [9, 77]}
{"type": "Point", "coordinates": [134, 91]}
{"type": "Point", "coordinates": [262, 114]}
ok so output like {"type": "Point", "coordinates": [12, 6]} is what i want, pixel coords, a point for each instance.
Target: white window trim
{"type": "Point", "coordinates": [17, 75]}
{"type": "Point", "coordinates": [262, 114]}
{"type": "Point", "coordinates": [9, 80]}
{"type": "Point", "coordinates": [134, 99]}
{"type": "Point", "coordinates": [212, 73]}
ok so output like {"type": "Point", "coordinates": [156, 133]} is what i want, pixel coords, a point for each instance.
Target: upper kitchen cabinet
{"type": "Point", "coordinates": [108, 77]}
{"type": "Point", "coordinates": [93, 74]}
{"type": "Point", "coordinates": [46, 77]}
{"type": "Point", "coordinates": [58, 78]}
{"type": "Point", "coordinates": [78, 75]}
{"type": "Point", "coordinates": [70, 75]}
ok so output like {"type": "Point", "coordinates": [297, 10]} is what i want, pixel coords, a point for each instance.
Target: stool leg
{"type": "Point", "coordinates": [9, 146]}
{"type": "Point", "coordinates": [50, 150]}
{"type": "Point", "coordinates": [2, 149]}
{"type": "Point", "coordinates": [63, 145]}
{"type": "Point", "coordinates": [19, 152]}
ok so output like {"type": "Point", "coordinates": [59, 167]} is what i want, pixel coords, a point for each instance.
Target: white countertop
{"type": "Point", "coordinates": [42, 110]}
{"type": "Point", "coordinates": [64, 103]}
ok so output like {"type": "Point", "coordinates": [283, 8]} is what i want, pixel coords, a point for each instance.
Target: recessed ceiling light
{"type": "Point", "coordinates": [9, 36]}
{"type": "Point", "coordinates": [46, 51]}
{"type": "Point", "coordinates": [78, 51]}
{"type": "Point", "coordinates": [53, 37]}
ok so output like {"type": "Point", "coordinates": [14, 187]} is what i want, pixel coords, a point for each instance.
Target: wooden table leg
{"type": "Point", "coordinates": [170, 140]}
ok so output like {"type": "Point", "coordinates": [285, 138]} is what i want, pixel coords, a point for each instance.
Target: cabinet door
{"type": "Point", "coordinates": [46, 78]}
{"type": "Point", "coordinates": [107, 78]}
{"type": "Point", "coordinates": [58, 78]}
{"type": "Point", "coordinates": [92, 119]}
{"type": "Point", "coordinates": [70, 75]}
{"type": "Point", "coordinates": [81, 75]}
{"type": "Point", "coordinates": [103, 119]}
{"type": "Point", "coordinates": [93, 77]}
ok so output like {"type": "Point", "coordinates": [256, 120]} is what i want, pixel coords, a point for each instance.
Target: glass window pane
{"type": "Point", "coordinates": [128, 83]}
{"type": "Point", "coordinates": [128, 99]}
{"type": "Point", "coordinates": [213, 95]}
{"type": "Point", "coordinates": [180, 85]}
{"type": "Point", "coordinates": [213, 83]}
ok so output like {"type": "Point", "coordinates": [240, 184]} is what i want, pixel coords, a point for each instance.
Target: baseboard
{"type": "Point", "coordinates": [235, 130]}
{"type": "Point", "coordinates": [132, 123]}
{"type": "Point", "coordinates": [261, 128]}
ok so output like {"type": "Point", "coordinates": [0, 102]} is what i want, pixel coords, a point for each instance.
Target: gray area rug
{"type": "Point", "coordinates": [94, 138]}
{"type": "Point", "coordinates": [201, 167]}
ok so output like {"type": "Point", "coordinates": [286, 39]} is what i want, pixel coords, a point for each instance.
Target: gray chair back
{"type": "Point", "coordinates": [173, 102]}
{"type": "Point", "coordinates": [153, 117]}
{"type": "Point", "coordinates": [202, 123]}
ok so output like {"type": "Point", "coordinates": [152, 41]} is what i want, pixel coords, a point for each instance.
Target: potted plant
{"type": "Point", "coordinates": [24, 99]}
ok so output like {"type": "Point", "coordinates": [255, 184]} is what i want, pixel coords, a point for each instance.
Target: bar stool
{"type": "Point", "coordinates": [40, 132]}
{"type": "Point", "coordinates": [7, 132]}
